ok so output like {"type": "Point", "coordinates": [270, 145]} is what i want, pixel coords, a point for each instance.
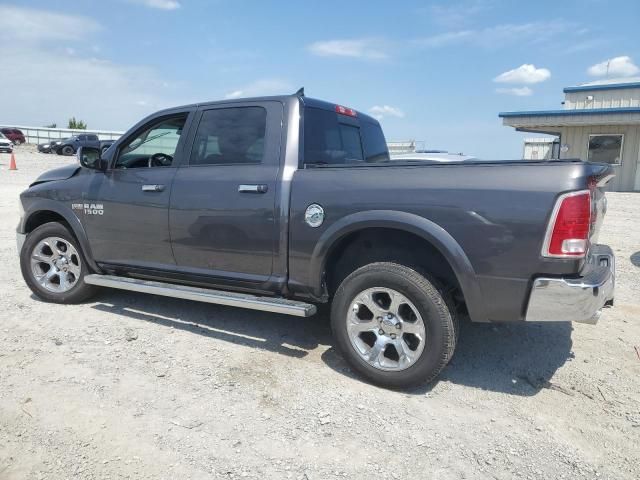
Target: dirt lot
{"type": "Point", "coordinates": [135, 386]}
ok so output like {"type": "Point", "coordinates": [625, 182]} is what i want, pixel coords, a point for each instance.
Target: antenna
{"type": "Point", "coordinates": [300, 92]}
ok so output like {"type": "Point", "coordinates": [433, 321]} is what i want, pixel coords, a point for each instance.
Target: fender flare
{"type": "Point", "coordinates": [45, 205]}
{"type": "Point", "coordinates": [411, 223]}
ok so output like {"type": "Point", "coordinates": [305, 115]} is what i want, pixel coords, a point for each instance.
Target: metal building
{"type": "Point", "coordinates": [541, 148]}
{"type": "Point", "coordinates": [600, 122]}
{"type": "Point", "coordinates": [405, 146]}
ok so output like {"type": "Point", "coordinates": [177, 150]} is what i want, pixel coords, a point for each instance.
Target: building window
{"type": "Point", "coordinates": [606, 149]}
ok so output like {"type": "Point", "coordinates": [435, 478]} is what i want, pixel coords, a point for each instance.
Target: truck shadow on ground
{"type": "Point", "coordinates": [283, 334]}
{"type": "Point", "coordinates": [518, 359]}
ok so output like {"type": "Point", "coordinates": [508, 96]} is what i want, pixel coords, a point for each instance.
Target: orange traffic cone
{"type": "Point", "coordinates": [12, 165]}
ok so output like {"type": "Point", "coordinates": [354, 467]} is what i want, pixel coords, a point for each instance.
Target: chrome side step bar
{"type": "Point", "coordinates": [220, 297]}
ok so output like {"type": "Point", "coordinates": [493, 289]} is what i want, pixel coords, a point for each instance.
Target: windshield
{"type": "Point", "coordinates": [2, 135]}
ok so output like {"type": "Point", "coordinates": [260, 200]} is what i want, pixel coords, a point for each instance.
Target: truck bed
{"type": "Point", "coordinates": [496, 211]}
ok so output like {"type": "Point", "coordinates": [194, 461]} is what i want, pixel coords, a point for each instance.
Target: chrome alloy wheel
{"type": "Point", "coordinates": [386, 329]}
{"type": "Point", "coordinates": [55, 264]}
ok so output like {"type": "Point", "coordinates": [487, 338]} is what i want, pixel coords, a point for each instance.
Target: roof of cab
{"type": "Point", "coordinates": [307, 101]}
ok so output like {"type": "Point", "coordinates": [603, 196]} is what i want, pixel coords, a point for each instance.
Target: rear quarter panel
{"type": "Point", "coordinates": [497, 213]}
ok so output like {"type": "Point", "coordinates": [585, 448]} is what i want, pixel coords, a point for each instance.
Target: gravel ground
{"type": "Point", "coordinates": [136, 386]}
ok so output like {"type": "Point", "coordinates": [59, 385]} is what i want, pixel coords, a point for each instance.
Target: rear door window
{"type": "Point", "coordinates": [230, 136]}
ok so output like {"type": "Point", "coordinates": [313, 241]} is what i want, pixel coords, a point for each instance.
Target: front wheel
{"type": "Point", "coordinates": [53, 265]}
{"type": "Point", "coordinates": [68, 150]}
{"type": "Point", "coordinates": [392, 325]}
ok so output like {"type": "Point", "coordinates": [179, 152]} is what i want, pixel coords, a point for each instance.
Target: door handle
{"type": "Point", "coordinates": [262, 188]}
{"type": "Point", "coordinates": [152, 188]}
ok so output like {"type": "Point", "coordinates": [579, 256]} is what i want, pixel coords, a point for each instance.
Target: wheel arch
{"type": "Point", "coordinates": [334, 238]}
{"type": "Point", "coordinates": [45, 211]}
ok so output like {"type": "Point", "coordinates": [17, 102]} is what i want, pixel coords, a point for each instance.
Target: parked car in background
{"type": "Point", "coordinates": [6, 145]}
{"type": "Point", "coordinates": [69, 146]}
{"type": "Point", "coordinates": [50, 146]}
{"type": "Point", "coordinates": [13, 134]}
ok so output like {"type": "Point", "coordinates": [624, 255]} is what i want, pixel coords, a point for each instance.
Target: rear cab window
{"type": "Point", "coordinates": [334, 139]}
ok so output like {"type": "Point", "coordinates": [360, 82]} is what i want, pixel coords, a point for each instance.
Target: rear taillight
{"type": "Point", "coordinates": [568, 231]}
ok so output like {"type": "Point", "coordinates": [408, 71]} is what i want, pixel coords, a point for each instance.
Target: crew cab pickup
{"type": "Point", "coordinates": [69, 146]}
{"type": "Point", "coordinates": [283, 203]}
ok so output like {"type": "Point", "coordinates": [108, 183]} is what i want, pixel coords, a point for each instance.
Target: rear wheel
{"type": "Point", "coordinates": [392, 325]}
{"type": "Point", "coordinates": [53, 265]}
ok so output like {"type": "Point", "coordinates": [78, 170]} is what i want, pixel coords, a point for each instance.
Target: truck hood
{"type": "Point", "coordinates": [61, 173]}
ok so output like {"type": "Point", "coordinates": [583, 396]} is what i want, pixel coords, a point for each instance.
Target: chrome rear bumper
{"type": "Point", "coordinates": [575, 299]}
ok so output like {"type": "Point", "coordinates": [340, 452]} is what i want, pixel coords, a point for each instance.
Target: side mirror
{"type": "Point", "coordinates": [89, 157]}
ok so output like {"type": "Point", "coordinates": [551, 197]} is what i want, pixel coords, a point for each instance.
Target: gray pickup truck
{"type": "Point", "coordinates": [283, 203]}
{"type": "Point", "coordinates": [70, 146]}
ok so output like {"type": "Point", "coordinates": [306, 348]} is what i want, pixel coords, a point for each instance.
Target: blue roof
{"type": "Point", "coordinates": [586, 111]}
{"type": "Point", "coordinates": [611, 86]}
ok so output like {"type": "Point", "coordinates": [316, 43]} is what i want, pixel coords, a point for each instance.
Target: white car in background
{"type": "Point", "coordinates": [438, 156]}
{"type": "Point", "coordinates": [6, 145]}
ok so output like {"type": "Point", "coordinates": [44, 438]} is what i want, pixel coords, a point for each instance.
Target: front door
{"type": "Point", "coordinates": [128, 205]}
{"type": "Point", "coordinates": [222, 212]}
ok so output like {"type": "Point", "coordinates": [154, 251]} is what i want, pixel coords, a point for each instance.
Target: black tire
{"type": "Point", "coordinates": [76, 294]}
{"type": "Point", "coordinates": [68, 150]}
{"type": "Point", "coordinates": [437, 314]}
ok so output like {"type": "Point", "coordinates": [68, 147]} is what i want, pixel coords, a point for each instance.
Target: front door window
{"type": "Point", "coordinates": [154, 147]}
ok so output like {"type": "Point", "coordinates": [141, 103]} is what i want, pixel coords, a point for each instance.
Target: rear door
{"type": "Point", "coordinates": [222, 212]}
{"type": "Point", "coordinates": [126, 208]}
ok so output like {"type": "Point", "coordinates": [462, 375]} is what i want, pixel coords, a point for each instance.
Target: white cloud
{"type": "Point", "coordinates": [517, 91]}
{"type": "Point", "coordinates": [381, 111]}
{"type": "Point", "coordinates": [500, 35]}
{"type": "Point", "coordinates": [615, 67]}
{"type": "Point", "coordinates": [49, 83]}
{"type": "Point", "coordinates": [366, 48]}
{"type": "Point", "coordinates": [457, 14]}
{"type": "Point", "coordinates": [234, 94]}
{"type": "Point", "coordinates": [160, 4]}
{"type": "Point", "coordinates": [583, 46]}
{"type": "Point", "coordinates": [29, 25]}
{"type": "Point", "coordinates": [267, 86]}
{"type": "Point", "coordinates": [526, 73]}
{"type": "Point", "coordinates": [445, 39]}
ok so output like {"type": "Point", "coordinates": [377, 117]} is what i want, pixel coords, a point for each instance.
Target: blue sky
{"type": "Point", "coordinates": [429, 70]}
